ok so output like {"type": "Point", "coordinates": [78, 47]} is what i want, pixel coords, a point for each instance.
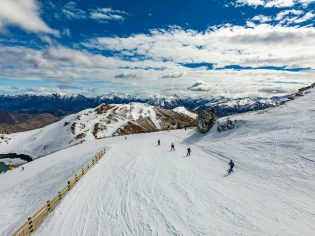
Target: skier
{"type": "Point", "coordinates": [22, 168]}
{"type": "Point", "coordinates": [172, 147]}
{"type": "Point", "coordinates": [188, 151]}
{"type": "Point", "coordinates": [231, 164]}
{"type": "Point", "coordinates": [159, 142]}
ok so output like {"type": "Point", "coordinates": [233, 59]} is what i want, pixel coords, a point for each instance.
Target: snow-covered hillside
{"type": "Point", "coordinates": [140, 188]}
{"type": "Point", "coordinates": [90, 124]}
{"type": "Point", "coordinates": [185, 111]}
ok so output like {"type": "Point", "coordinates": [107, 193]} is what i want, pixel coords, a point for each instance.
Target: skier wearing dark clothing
{"type": "Point", "coordinates": [172, 147]}
{"type": "Point", "coordinates": [188, 151]}
{"type": "Point", "coordinates": [159, 142]}
{"type": "Point", "coordinates": [231, 164]}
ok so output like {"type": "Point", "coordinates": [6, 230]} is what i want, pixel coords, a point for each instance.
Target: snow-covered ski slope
{"type": "Point", "coordinates": [22, 193]}
{"type": "Point", "coordinates": [143, 189]}
{"type": "Point", "coordinates": [139, 188]}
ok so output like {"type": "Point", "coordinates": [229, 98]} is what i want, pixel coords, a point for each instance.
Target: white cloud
{"type": "Point", "coordinates": [68, 56]}
{"type": "Point", "coordinates": [173, 75]}
{"type": "Point", "coordinates": [305, 3]}
{"type": "Point", "coordinates": [290, 17]}
{"type": "Point", "coordinates": [280, 3]}
{"type": "Point", "coordinates": [262, 19]}
{"type": "Point", "coordinates": [66, 32]}
{"type": "Point", "coordinates": [72, 11]}
{"type": "Point", "coordinates": [251, 2]}
{"type": "Point", "coordinates": [199, 86]}
{"type": "Point", "coordinates": [281, 15]}
{"type": "Point", "coordinates": [293, 16]}
{"type": "Point", "coordinates": [67, 65]}
{"type": "Point", "coordinates": [107, 14]}
{"type": "Point", "coordinates": [259, 19]}
{"type": "Point", "coordinates": [24, 14]}
{"type": "Point", "coordinates": [157, 61]}
{"type": "Point", "coordinates": [274, 3]}
{"type": "Point", "coordinates": [306, 17]}
{"type": "Point", "coordinates": [125, 75]}
{"type": "Point", "coordinates": [263, 45]}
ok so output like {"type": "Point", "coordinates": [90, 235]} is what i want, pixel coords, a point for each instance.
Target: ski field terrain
{"type": "Point", "coordinates": [139, 188]}
{"type": "Point", "coordinates": [103, 121]}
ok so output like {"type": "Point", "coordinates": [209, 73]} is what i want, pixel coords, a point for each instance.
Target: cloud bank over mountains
{"type": "Point", "coordinates": [247, 59]}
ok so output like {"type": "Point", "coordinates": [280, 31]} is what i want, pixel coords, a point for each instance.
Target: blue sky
{"type": "Point", "coordinates": [189, 48]}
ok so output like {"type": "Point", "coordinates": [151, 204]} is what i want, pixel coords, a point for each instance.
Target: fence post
{"type": "Point", "coordinates": [28, 227]}
{"type": "Point", "coordinates": [30, 224]}
{"type": "Point", "coordinates": [48, 206]}
{"type": "Point", "coordinates": [69, 186]}
{"type": "Point", "coordinates": [59, 195]}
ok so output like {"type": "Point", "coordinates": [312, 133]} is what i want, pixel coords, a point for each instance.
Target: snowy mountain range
{"type": "Point", "coordinates": [90, 124]}
{"type": "Point", "coordinates": [108, 120]}
{"type": "Point", "coordinates": [63, 105]}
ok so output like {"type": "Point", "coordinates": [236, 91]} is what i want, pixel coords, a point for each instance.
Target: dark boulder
{"type": "Point", "coordinates": [226, 125]}
{"type": "Point", "coordinates": [205, 120]}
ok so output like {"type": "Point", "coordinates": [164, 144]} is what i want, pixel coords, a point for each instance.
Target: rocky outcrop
{"type": "Point", "coordinates": [205, 120]}
{"type": "Point", "coordinates": [299, 93]}
{"type": "Point", "coordinates": [97, 129]}
{"type": "Point", "coordinates": [306, 88]}
{"type": "Point", "coordinates": [103, 108]}
{"type": "Point", "coordinates": [73, 128]}
{"type": "Point", "coordinates": [142, 125]}
{"type": "Point", "coordinates": [226, 125]}
{"type": "Point", "coordinates": [80, 136]}
{"type": "Point", "coordinates": [174, 120]}
{"type": "Point", "coordinates": [4, 138]}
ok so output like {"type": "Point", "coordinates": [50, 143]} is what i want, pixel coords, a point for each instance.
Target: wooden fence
{"type": "Point", "coordinates": [34, 222]}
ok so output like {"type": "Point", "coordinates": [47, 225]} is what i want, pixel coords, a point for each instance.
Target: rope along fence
{"type": "Point", "coordinates": [34, 222]}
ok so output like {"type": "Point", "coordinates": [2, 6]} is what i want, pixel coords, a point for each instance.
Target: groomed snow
{"type": "Point", "coordinates": [143, 189]}
{"type": "Point", "coordinates": [139, 188]}
{"type": "Point", "coordinates": [22, 193]}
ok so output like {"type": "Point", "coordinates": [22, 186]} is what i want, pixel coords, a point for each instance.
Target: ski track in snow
{"type": "Point", "coordinates": [22, 193]}
{"type": "Point", "coordinates": [139, 188]}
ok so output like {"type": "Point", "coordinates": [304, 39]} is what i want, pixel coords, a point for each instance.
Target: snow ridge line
{"type": "Point", "coordinates": [35, 221]}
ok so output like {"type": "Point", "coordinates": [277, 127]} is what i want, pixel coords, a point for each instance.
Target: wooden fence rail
{"type": "Point", "coordinates": [34, 222]}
